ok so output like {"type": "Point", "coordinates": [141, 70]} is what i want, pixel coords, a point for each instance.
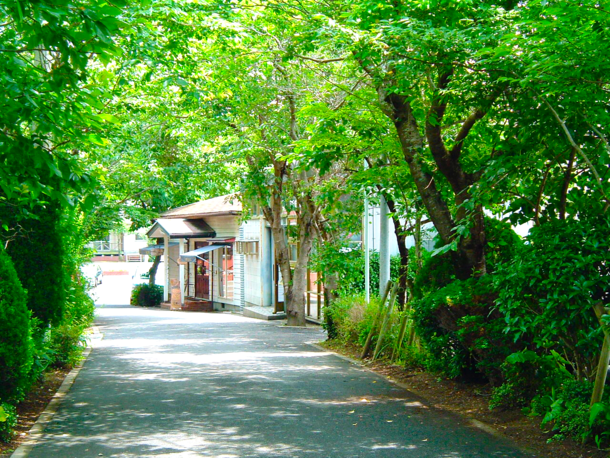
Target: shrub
{"type": "Point", "coordinates": [38, 256]}
{"type": "Point", "coordinates": [352, 320]}
{"type": "Point", "coordinates": [15, 333]}
{"type": "Point", "coordinates": [346, 315]}
{"type": "Point", "coordinates": [8, 420]}
{"type": "Point", "coordinates": [456, 320]}
{"type": "Point", "coordinates": [66, 341]}
{"type": "Point", "coordinates": [526, 374]}
{"type": "Point", "coordinates": [566, 410]}
{"type": "Point", "coordinates": [462, 332]}
{"type": "Point", "coordinates": [146, 295]}
{"type": "Point", "coordinates": [547, 292]}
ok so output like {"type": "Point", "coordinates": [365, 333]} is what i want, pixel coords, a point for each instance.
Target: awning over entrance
{"type": "Point", "coordinates": [181, 228]}
{"type": "Point", "coordinates": [191, 256]}
{"type": "Point", "coordinates": [152, 248]}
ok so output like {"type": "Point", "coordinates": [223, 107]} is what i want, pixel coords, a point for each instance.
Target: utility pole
{"type": "Point", "coordinates": [384, 244]}
{"type": "Point", "coordinates": [367, 259]}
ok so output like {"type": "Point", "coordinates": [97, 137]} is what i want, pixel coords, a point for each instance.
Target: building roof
{"type": "Point", "coordinates": [181, 228]}
{"type": "Point", "coordinates": [222, 205]}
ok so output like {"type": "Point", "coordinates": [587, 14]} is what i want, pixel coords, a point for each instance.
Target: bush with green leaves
{"type": "Point", "coordinates": [456, 320]}
{"type": "Point", "coordinates": [566, 412]}
{"type": "Point", "coordinates": [8, 420]}
{"type": "Point", "coordinates": [15, 334]}
{"type": "Point", "coordinates": [461, 332]}
{"type": "Point", "coordinates": [146, 295]}
{"type": "Point", "coordinates": [526, 374]}
{"type": "Point", "coordinates": [349, 317]}
{"type": "Point", "coordinates": [66, 340]}
{"type": "Point", "coordinates": [548, 290]}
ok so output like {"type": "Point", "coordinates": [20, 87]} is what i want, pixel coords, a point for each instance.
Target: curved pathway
{"type": "Point", "coordinates": [179, 384]}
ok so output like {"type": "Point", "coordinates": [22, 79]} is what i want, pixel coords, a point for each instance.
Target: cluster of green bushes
{"type": "Point", "coordinates": [527, 327]}
{"type": "Point", "coordinates": [44, 307]}
{"type": "Point", "coordinates": [146, 295]}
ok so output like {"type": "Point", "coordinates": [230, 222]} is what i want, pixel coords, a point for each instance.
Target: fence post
{"type": "Point", "coordinates": [386, 321]}
{"type": "Point", "coordinates": [604, 357]}
{"type": "Point", "coordinates": [367, 344]}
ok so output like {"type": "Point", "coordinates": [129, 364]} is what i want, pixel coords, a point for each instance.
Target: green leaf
{"type": "Point", "coordinates": [596, 409]}
{"type": "Point", "coordinates": [109, 118]}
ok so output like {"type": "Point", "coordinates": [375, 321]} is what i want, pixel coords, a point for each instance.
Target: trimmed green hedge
{"type": "Point", "coordinates": [38, 258]}
{"type": "Point", "coordinates": [146, 295]}
{"type": "Point", "coordinates": [15, 333]}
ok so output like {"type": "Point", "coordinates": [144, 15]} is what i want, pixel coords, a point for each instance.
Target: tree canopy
{"type": "Point", "coordinates": [473, 116]}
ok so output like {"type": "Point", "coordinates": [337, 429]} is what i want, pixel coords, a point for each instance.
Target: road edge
{"type": "Point", "coordinates": [37, 430]}
{"type": "Point", "coordinates": [489, 429]}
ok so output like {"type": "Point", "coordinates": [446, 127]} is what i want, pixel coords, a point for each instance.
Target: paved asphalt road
{"type": "Point", "coordinates": [183, 385]}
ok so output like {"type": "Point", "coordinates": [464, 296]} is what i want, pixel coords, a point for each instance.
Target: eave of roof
{"type": "Point", "coordinates": [217, 206]}
{"type": "Point", "coordinates": [182, 228]}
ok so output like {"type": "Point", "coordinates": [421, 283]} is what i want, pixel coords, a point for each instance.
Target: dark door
{"type": "Point", "coordinates": [202, 274]}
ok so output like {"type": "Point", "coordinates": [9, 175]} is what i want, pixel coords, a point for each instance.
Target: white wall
{"type": "Point", "coordinates": [224, 226]}
{"type": "Point", "coordinates": [252, 264]}
{"type": "Point", "coordinates": [132, 246]}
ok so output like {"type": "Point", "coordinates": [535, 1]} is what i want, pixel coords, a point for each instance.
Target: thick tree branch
{"type": "Point", "coordinates": [321, 61]}
{"type": "Point", "coordinates": [435, 116]}
{"type": "Point", "coordinates": [463, 133]}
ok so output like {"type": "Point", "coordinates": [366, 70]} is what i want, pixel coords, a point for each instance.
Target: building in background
{"type": "Point", "coordinates": [221, 261]}
{"type": "Point", "coordinates": [119, 246]}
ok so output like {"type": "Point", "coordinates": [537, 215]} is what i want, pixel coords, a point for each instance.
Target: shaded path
{"type": "Point", "coordinates": [179, 384]}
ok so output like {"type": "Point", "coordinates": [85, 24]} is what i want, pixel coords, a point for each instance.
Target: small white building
{"type": "Point", "coordinates": [221, 261]}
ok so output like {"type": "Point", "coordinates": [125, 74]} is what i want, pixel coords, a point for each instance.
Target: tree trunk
{"type": "Point", "coordinates": [152, 272]}
{"type": "Point", "coordinates": [306, 225]}
{"type": "Point", "coordinates": [417, 237]}
{"type": "Point", "coordinates": [470, 256]}
{"type": "Point", "coordinates": [331, 283]}
{"type": "Point", "coordinates": [401, 239]}
{"type": "Point", "coordinates": [295, 283]}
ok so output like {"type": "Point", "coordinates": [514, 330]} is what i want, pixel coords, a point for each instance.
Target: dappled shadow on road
{"type": "Point", "coordinates": [163, 384]}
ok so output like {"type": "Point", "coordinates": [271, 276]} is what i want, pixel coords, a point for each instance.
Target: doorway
{"type": "Point", "coordinates": [202, 274]}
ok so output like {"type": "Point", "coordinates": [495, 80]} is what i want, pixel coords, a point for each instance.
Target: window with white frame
{"type": "Point", "coordinates": [247, 247]}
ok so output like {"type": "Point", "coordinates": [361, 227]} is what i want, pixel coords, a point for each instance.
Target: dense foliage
{"type": "Point", "coordinates": [466, 116]}
{"type": "Point", "coordinates": [15, 334]}
{"type": "Point", "coordinates": [38, 255]}
{"type": "Point", "coordinates": [146, 295]}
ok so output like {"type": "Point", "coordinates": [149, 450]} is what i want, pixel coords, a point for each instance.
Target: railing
{"type": "Point", "coordinates": [314, 295]}
{"type": "Point", "coordinates": [103, 245]}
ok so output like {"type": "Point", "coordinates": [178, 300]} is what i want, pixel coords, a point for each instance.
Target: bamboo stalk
{"type": "Point", "coordinates": [604, 358]}
{"type": "Point", "coordinates": [602, 371]}
{"type": "Point", "coordinates": [386, 321]}
{"type": "Point", "coordinates": [367, 344]}
{"type": "Point", "coordinates": [401, 336]}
